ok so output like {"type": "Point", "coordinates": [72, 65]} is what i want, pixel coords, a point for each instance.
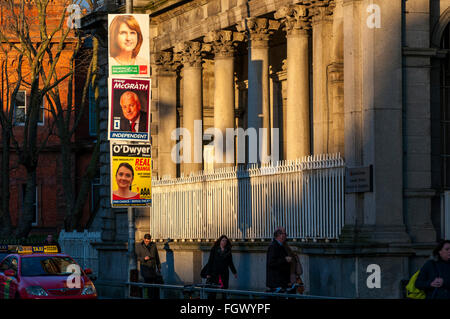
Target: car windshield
{"type": "Point", "coordinates": [47, 266]}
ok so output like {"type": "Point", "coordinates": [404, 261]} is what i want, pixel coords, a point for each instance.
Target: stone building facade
{"type": "Point", "coordinates": [365, 78]}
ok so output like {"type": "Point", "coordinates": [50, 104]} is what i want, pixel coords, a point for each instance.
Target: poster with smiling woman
{"type": "Point", "coordinates": [129, 45]}
{"type": "Point", "coordinates": [131, 174]}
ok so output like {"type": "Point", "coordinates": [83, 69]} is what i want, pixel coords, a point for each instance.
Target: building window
{"type": "Point", "coordinates": [35, 203]}
{"type": "Point", "coordinates": [92, 113]}
{"type": "Point", "coordinates": [20, 109]}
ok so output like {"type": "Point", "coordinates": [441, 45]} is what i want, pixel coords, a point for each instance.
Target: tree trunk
{"type": "Point", "coordinates": [5, 217]}
{"type": "Point", "coordinates": [28, 210]}
{"type": "Point", "coordinates": [85, 187]}
{"type": "Point", "coordinates": [67, 182]}
{"type": "Point", "coordinates": [76, 198]}
{"type": "Point", "coordinates": [29, 160]}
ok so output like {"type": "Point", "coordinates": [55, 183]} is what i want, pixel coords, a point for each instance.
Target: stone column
{"type": "Point", "coordinates": [297, 117]}
{"type": "Point", "coordinates": [224, 104]}
{"type": "Point", "coordinates": [259, 31]}
{"type": "Point", "coordinates": [336, 108]}
{"type": "Point", "coordinates": [322, 29]}
{"type": "Point", "coordinates": [373, 121]}
{"type": "Point", "coordinates": [336, 81]}
{"type": "Point", "coordinates": [190, 54]}
{"type": "Point", "coordinates": [167, 106]}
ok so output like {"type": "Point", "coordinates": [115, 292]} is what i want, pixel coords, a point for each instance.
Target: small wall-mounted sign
{"type": "Point", "coordinates": [359, 179]}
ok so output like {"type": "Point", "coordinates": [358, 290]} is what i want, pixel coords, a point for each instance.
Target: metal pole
{"type": "Point", "coordinates": [131, 228]}
{"type": "Point", "coordinates": [129, 6]}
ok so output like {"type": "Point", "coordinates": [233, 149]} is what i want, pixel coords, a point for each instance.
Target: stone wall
{"type": "Point", "coordinates": [337, 270]}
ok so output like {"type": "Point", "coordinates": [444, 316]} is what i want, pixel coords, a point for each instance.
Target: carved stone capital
{"type": "Point", "coordinates": [259, 30]}
{"type": "Point", "coordinates": [189, 53]}
{"type": "Point", "coordinates": [296, 18]}
{"type": "Point", "coordinates": [223, 42]}
{"type": "Point", "coordinates": [165, 62]}
{"type": "Point", "coordinates": [322, 10]}
{"type": "Point", "coordinates": [336, 73]}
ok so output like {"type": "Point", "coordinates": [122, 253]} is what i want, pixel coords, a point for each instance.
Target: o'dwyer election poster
{"type": "Point", "coordinates": [131, 174]}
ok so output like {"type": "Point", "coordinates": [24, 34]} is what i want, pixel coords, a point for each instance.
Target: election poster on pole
{"type": "Point", "coordinates": [131, 174]}
{"type": "Point", "coordinates": [129, 45]}
{"type": "Point", "coordinates": [129, 109]}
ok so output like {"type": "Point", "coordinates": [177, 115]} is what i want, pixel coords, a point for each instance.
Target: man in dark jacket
{"type": "Point", "coordinates": [278, 266]}
{"type": "Point", "coordinates": [147, 255]}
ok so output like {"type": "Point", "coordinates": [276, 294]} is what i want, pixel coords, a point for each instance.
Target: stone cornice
{"type": "Point", "coordinates": [309, 247]}
{"type": "Point", "coordinates": [425, 52]}
{"type": "Point", "coordinates": [419, 192]}
{"type": "Point", "coordinates": [193, 20]}
{"type": "Point", "coordinates": [223, 42]}
{"type": "Point", "coordinates": [172, 8]}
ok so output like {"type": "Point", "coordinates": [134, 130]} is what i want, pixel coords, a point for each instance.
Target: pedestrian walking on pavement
{"type": "Point", "coordinates": [296, 269]}
{"type": "Point", "coordinates": [220, 260]}
{"type": "Point", "coordinates": [147, 255]}
{"type": "Point", "coordinates": [434, 276]}
{"type": "Point", "coordinates": [278, 264]}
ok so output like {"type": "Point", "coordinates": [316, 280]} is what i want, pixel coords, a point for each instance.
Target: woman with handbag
{"type": "Point", "coordinates": [296, 266]}
{"type": "Point", "coordinates": [434, 277]}
{"type": "Point", "coordinates": [220, 260]}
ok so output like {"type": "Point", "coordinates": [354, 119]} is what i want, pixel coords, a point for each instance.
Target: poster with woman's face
{"type": "Point", "coordinates": [129, 45]}
{"type": "Point", "coordinates": [131, 174]}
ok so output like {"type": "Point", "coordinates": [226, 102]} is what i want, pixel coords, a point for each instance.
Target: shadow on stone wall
{"type": "Point", "coordinates": [168, 268]}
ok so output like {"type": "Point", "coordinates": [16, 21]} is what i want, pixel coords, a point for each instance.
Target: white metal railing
{"type": "Point", "coordinates": [78, 246]}
{"type": "Point", "coordinates": [306, 196]}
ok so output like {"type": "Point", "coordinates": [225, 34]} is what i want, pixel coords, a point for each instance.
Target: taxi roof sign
{"type": "Point", "coordinates": [51, 249]}
{"type": "Point", "coordinates": [24, 249]}
{"type": "Point", "coordinates": [37, 249]}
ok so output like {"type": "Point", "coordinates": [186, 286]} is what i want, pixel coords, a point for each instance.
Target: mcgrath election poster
{"type": "Point", "coordinates": [129, 111]}
{"type": "Point", "coordinates": [129, 45]}
{"type": "Point", "coordinates": [131, 175]}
